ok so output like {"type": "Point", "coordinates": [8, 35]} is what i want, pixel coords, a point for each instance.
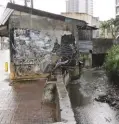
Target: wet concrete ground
{"type": "Point", "coordinates": [93, 83]}
{"type": "Point", "coordinates": [22, 103]}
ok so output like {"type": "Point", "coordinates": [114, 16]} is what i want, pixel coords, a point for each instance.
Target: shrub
{"type": "Point", "coordinates": [112, 63]}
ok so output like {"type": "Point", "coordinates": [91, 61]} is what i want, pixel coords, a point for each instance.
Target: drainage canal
{"type": "Point", "coordinates": [90, 98]}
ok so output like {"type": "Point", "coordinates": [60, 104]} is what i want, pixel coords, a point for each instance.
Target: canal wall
{"type": "Point", "coordinates": [100, 49]}
{"type": "Point", "coordinates": [101, 46]}
{"type": "Point", "coordinates": [64, 112]}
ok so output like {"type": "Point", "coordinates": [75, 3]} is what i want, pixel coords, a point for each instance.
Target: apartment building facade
{"type": "Point", "coordinates": [80, 6]}
{"type": "Point", "coordinates": [117, 8]}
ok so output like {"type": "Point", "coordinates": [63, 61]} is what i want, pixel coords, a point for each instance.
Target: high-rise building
{"type": "Point", "coordinates": [28, 3]}
{"type": "Point", "coordinates": [117, 7]}
{"type": "Point", "coordinates": [81, 6]}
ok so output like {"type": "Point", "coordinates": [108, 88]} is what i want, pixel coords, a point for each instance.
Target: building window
{"type": "Point", "coordinates": [117, 10]}
{"type": "Point", "coordinates": [117, 1]}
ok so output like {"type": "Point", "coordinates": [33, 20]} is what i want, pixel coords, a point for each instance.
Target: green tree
{"type": "Point", "coordinates": [103, 28]}
{"type": "Point", "coordinates": [111, 26]}
{"type": "Point", "coordinates": [112, 63]}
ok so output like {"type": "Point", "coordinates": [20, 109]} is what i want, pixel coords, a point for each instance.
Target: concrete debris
{"type": "Point", "coordinates": [49, 95]}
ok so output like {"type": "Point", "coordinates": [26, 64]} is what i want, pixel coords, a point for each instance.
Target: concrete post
{"type": "Point", "coordinates": [31, 3]}
{"type": "Point", "coordinates": [1, 43]}
{"type": "Point", "coordinates": [25, 2]}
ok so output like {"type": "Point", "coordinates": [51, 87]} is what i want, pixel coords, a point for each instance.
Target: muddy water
{"type": "Point", "coordinates": [83, 92]}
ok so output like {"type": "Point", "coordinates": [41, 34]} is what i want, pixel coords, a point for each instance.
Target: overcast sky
{"type": "Point", "coordinates": [104, 9]}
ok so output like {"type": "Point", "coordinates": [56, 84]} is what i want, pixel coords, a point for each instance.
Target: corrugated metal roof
{"type": "Point", "coordinates": [5, 16]}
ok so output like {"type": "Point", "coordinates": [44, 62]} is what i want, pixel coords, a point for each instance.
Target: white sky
{"type": "Point", "coordinates": [104, 9]}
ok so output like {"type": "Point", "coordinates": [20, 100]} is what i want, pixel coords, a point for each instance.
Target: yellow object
{"type": "Point", "coordinates": [6, 66]}
{"type": "Point", "coordinates": [12, 76]}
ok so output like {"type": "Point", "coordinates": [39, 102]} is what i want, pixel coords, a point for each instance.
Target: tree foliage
{"type": "Point", "coordinates": [111, 26]}
{"type": "Point", "coordinates": [103, 27]}
{"type": "Point", "coordinates": [112, 63]}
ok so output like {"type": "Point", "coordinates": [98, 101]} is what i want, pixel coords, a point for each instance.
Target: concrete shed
{"type": "Point", "coordinates": [32, 36]}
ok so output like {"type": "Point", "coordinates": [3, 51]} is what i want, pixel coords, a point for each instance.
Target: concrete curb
{"type": "Point", "coordinates": [66, 79]}
{"type": "Point", "coordinates": [66, 112]}
{"type": "Point", "coordinates": [64, 123]}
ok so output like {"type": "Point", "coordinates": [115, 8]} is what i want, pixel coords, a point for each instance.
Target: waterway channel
{"type": "Point", "coordinates": [94, 99]}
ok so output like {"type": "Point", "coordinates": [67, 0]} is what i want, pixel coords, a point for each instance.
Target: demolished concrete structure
{"type": "Point", "coordinates": [32, 36]}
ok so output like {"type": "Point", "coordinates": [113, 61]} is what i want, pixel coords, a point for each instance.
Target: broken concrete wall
{"type": "Point", "coordinates": [34, 38]}
{"type": "Point", "coordinates": [100, 49]}
{"type": "Point", "coordinates": [101, 46]}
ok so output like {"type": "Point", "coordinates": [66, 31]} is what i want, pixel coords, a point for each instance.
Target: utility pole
{"type": "Point", "coordinates": [12, 1]}
{"type": "Point", "coordinates": [25, 2]}
{"type": "Point", "coordinates": [31, 3]}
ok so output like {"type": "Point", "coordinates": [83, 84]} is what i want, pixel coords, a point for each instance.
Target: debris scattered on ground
{"type": "Point", "coordinates": [49, 95]}
{"type": "Point", "coordinates": [113, 102]}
